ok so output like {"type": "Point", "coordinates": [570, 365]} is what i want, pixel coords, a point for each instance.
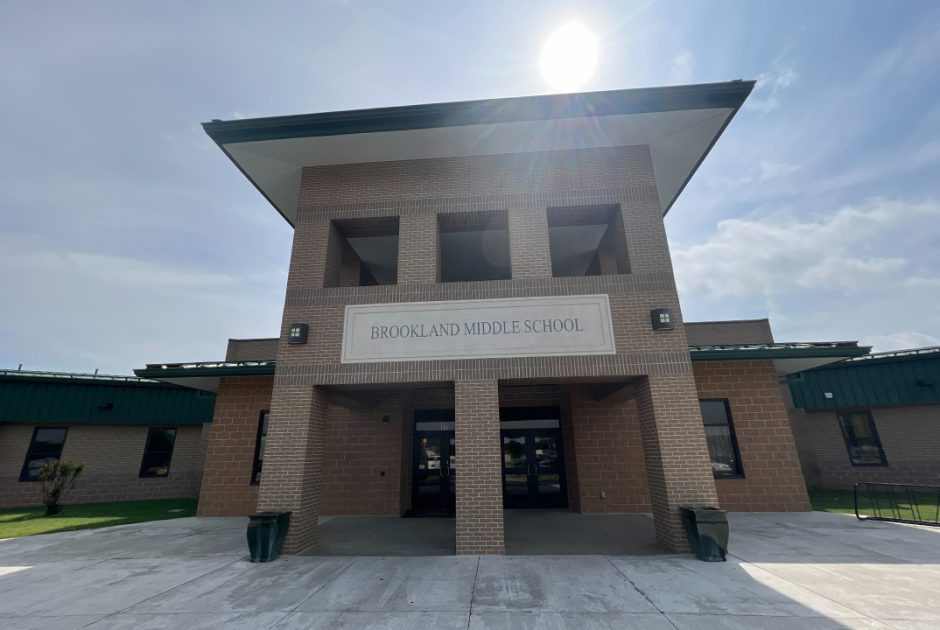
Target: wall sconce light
{"type": "Point", "coordinates": [661, 319]}
{"type": "Point", "coordinates": [297, 333]}
{"type": "Point", "coordinates": [385, 420]}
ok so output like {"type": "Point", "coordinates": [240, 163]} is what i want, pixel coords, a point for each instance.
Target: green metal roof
{"type": "Point", "coordinates": [208, 368]}
{"type": "Point", "coordinates": [833, 349]}
{"type": "Point", "coordinates": [28, 397]}
{"type": "Point", "coordinates": [889, 379]}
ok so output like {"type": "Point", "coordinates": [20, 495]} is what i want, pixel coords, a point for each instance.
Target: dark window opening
{"type": "Point", "coordinates": [44, 447]}
{"type": "Point", "coordinates": [157, 453]}
{"type": "Point", "coordinates": [587, 241]}
{"type": "Point", "coordinates": [260, 443]}
{"type": "Point", "coordinates": [722, 443]}
{"type": "Point", "coordinates": [362, 252]}
{"type": "Point", "coordinates": [474, 246]}
{"type": "Point", "coordinates": [861, 439]}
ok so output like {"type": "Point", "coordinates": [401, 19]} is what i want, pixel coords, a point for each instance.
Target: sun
{"type": "Point", "coordinates": [569, 57]}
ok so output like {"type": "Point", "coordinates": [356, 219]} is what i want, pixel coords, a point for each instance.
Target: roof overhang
{"type": "Point", "coordinates": [679, 124]}
{"type": "Point", "coordinates": [788, 358]}
{"type": "Point", "coordinates": [204, 376]}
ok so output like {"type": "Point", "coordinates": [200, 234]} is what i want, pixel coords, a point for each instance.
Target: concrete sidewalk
{"type": "Point", "coordinates": [807, 570]}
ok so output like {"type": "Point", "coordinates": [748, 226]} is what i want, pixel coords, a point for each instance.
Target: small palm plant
{"type": "Point", "coordinates": [57, 477]}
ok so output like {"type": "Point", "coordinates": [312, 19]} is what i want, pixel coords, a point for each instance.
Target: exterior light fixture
{"type": "Point", "coordinates": [297, 333]}
{"type": "Point", "coordinates": [661, 319]}
{"type": "Point", "coordinates": [385, 420]}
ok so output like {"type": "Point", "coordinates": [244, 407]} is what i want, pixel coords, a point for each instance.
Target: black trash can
{"type": "Point", "coordinates": [707, 528]}
{"type": "Point", "coordinates": [266, 532]}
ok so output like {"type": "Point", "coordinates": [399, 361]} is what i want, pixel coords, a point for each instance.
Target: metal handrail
{"type": "Point", "coordinates": [894, 501]}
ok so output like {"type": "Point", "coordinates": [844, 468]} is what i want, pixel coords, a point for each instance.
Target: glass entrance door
{"type": "Point", "coordinates": [533, 466]}
{"type": "Point", "coordinates": [434, 471]}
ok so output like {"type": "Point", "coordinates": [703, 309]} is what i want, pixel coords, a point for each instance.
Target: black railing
{"type": "Point", "coordinates": [898, 503]}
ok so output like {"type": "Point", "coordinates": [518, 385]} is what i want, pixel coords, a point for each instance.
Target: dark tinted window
{"type": "Point", "coordinates": [861, 439]}
{"type": "Point", "coordinates": [158, 453]}
{"type": "Point", "coordinates": [719, 432]}
{"type": "Point", "coordinates": [259, 447]}
{"type": "Point", "coordinates": [45, 447]}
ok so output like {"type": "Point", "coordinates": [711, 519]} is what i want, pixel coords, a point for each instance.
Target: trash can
{"type": "Point", "coordinates": [266, 532]}
{"type": "Point", "coordinates": [707, 528]}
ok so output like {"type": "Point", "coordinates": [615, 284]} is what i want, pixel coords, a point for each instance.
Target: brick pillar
{"type": "Point", "coordinates": [612, 252]}
{"type": "Point", "coordinates": [418, 249]}
{"type": "Point", "coordinates": [313, 261]}
{"type": "Point", "coordinates": [677, 462]}
{"type": "Point", "coordinates": [293, 461]}
{"type": "Point", "coordinates": [479, 471]}
{"type": "Point", "coordinates": [528, 243]}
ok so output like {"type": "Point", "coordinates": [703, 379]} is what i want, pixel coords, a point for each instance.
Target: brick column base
{"type": "Point", "coordinates": [293, 462]}
{"type": "Point", "coordinates": [677, 462]}
{"type": "Point", "coordinates": [479, 471]}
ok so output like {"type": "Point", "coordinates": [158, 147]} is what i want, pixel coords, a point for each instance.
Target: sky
{"type": "Point", "coordinates": [127, 237]}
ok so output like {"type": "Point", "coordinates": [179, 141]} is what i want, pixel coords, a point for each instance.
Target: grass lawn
{"type": "Point", "coordinates": [908, 507]}
{"type": "Point", "coordinates": [28, 521]}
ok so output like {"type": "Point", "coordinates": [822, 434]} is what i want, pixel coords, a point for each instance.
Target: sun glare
{"type": "Point", "coordinates": [568, 57]}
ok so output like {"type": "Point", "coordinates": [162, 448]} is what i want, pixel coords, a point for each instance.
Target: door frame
{"type": "Point", "coordinates": [444, 419]}
{"type": "Point", "coordinates": [523, 414]}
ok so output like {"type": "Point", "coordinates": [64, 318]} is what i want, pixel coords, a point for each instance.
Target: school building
{"type": "Point", "coordinates": [481, 315]}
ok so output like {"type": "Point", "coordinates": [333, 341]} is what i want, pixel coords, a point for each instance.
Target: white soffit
{"type": "Point", "coordinates": [677, 139]}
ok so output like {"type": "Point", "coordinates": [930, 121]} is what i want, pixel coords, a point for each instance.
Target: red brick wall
{"type": "Point", "coordinates": [773, 480]}
{"type": "Point", "coordinates": [226, 483]}
{"type": "Point", "coordinates": [112, 456]}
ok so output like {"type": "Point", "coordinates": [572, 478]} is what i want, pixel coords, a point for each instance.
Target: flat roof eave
{"type": "Point", "coordinates": [680, 124]}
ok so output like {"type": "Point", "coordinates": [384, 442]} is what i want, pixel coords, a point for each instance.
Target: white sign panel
{"type": "Point", "coordinates": [467, 329]}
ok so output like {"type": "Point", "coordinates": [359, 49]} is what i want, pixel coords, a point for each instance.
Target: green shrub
{"type": "Point", "coordinates": [57, 477]}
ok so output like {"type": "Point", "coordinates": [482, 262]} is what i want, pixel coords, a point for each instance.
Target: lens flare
{"type": "Point", "coordinates": [569, 57]}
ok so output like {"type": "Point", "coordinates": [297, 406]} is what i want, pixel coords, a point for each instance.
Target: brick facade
{"type": "Point", "coordinates": [772, 478]}
{"type": "Point", "coordinates": [226, 484]}
{"type": "Point", "coordinates": [479, 470]}
{"type": "Point", "coordinates": [112, 456]}
{"type": "Point", "coordinates": [607, 455]}
{"type": "Point", "coordinates": [909, 436]}
{"type": "Point", "coordinates": [426, 197]}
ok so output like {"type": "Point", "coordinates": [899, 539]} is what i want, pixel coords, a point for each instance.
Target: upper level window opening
{"type": "Point", "coordinates": [362, 252]}
{"type": "Point", "coordinates": [587, 241]}
{"type": "Point", "coordinates": [474, 246]}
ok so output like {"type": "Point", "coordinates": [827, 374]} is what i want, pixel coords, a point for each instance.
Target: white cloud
{"type": "Point", "coordinates": [764, 98]}
{"type": "Point", "coordinates": [843, 274]}
{"type": "Point", "coordinates": [900, 341]}
{"type": "Point", "coordinates": [682, 66]}
{"type": "Point", "coordinates": [778, 254]}
{"type": "Point", "coordinates": [850, 275]}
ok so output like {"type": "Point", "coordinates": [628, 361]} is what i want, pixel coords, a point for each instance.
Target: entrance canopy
{"type": "Point", "coordinates": [679, 124]}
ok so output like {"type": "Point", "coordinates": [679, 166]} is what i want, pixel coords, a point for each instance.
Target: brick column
{"type": "Point", "coordinates": [293, 461]}
{"type": "Point", "coordinates": [528, 243]}
{"type": "Point", "coordinates": [313, 263]}
{"type": "Point", "coordinates": [418, 249]}
{"type": "Point", "coordinates": [479, 471]}
{"type": "Point", "coordinates": [677, 462]}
